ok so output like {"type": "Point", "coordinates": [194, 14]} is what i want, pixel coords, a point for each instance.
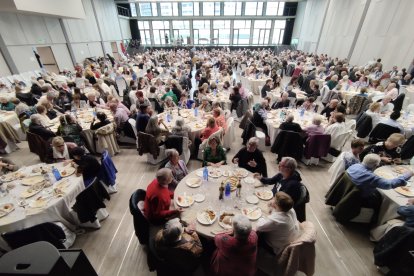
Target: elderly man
{"type": "Point", "coordinates": [36, 127]}
{"type": "Point", "coordinates": [158, 198]}
{"type": "Point", "coordinates": [288, 180]}
{"type": "Point", "coordinates": [251, 158]}
{"type": "Point", "coordinates": [289, 125]}
{"type": "Point", "coordinates": [330, 108]}
{"type": "Point", "coordinates": [282, 102]}
{"type": "Point", "coordinates": [281, 226]}
{"type": "Point", "coordinates": [363, 177]}
{"type": "Point", "coordinates": [120, 116]}
{"type": "Point", "coordinates": [236, 253]}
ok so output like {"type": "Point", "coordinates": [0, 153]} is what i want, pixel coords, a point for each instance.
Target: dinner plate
{"type": "Point", "coordinates": [199, 197]}
{"type": "Point", "coordinates": [252, 213]}
{"type": "Point", "coordinates": [7, 207]}
{"type": "Point", "coordinates": [67, 171]}
{"type": "Point", "coordinates": [199, 173]}
{"type": "Point", "coordinates": [249, 180]}
{"type": "Point", "coordinates": [400, 169]}
{"type": "Point", "coordinates": [11, 176]}
{"type": "Point", "coordinates": [252, 199]}
{"type": "Point", "coordinates": [385, 174]}
{"type": "Point", "coordinates": [31, 191]}
{"type": "Point", "coordinates": [213, 172]}
{"type": "Point", "coordinates": [240, 172]}
{"type": "Point", "coordinates": [206, 217]}
{"type": "Point", "coordinates": [193, 182]}
{"type": "Point", "coordinates": [233, 182]}
{"type": "Point", "coordinates": [39, 202]}
{"type": "Point", "coordinates": [185, 201]}
{"type": "Point", "coordinates": [227, 223]}
{"type": "Point", "coordinates": [32, 180]}
{"type": "Point", "coordinates": [264, 195]}
{"type": "Point", "coordinates": [227, 173]}
{"type": "Point", "coordinates": [405, 192]}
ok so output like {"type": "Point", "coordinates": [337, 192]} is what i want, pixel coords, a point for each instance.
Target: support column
{"type": "Point", "coordinates": [361, 22]}
{"type": "Point", "coordinates": [323, 24]}
{"type": "Point", "coordinates": [99, 25]}
{"type": "Point", "coordinates": [68, 44]}
{"type": "Point", "coordinates": [7, 57]}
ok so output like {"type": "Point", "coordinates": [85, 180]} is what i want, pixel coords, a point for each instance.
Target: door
{"type": "Point", "coordinates": [115, 52]}
{"type": "Point", "coordinates": [48, 59]}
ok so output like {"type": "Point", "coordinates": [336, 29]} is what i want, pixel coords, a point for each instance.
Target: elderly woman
{"type": "Point", "coordinates": [214, 154]}
{"type": "Point", "coordinates": [211, 128]}
{"type": "Point", "coordinates": [70, 130]}
{"type": "Point", "coordinates": [315, 127]}
{"type": "Point", "coordinates": [179, 247]}
{"type": "Point", "coordinates": [59, 152]}
{"type": "Point", "coordinates": [168, 103]}
{"type": "Point", "coordinates": [281, 226]}
{"type": "Point", "coordinates": [336, 127]}
{"type": "Point", "coordinates": [251, 158]}
{"type": "Point", "coordinates": [37, 128]}
{"type": "Point", "coordinates": [389, 151]}
{"type": "Point", "coordinates": [5, 104]}
{"type": "Point", "coordinates": [309, 104]}
{"type": "Point", "coordinates": [93, 100]}
{"type": "Point", "coordinates": [180, 129]}
{"type": "Point", "coordinates": [205, 105]}
{"type": "Point", "coordinates": [177, 166]}
{"type": "Point", "coordinates": [374, 113]}
{"type": "Point", "coordinates": [41, 110]}
{"type": "Point", "coordinates": [153, 128]}
{"type": "Point", "coordinates": [236, 252]}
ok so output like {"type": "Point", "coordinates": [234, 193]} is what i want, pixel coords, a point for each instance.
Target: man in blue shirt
{"type": "Point", "coordinates": [143, 117]}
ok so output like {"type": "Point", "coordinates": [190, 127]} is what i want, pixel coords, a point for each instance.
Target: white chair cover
{"type": "Point", "coordinates": [122, 85]}
{"type": "Point", "coordinates": [229, 133]}
{"type": "Point", "coordinates": [186, 153]}
{"type": "Point", "coordinates": [80, 82]}
{"type": "Point", "coordinates": [107, 140]}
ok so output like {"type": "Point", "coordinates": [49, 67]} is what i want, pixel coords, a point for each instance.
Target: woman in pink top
{"type": "Point", "coordinates": [210, 129]}
{"type": "Point", "coordinates": [316, 127]}
{"type": "Point", "coordinates": [220, 120]}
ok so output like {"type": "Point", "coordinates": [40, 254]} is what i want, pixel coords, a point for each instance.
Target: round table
{"type": "Point", "coordinates": [221, 97]}
{"type": "Point", "coordinates": [210, 189]}
{"type": "Point", "coordinates": [56, 208]}
{"type": "Point", "coordinates": [10, 118]}
{"type": "Point", "coordinates": [253, 84]}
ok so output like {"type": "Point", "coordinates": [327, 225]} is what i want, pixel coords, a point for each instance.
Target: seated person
{"type": "Point", "coordinates": [374, 113]}
{"type": "Point", "coordinates": [315, 127]}
{"type": "Point", "coordinates": [259, 118]}
{"type": "Point", "coordinates": [60, 150]}
{"type": "Point", "coordinates": [185, 103]}
{"type": "Point", "coordinates": [70, 130]}
{"type": "Point", "coordinates": [86, 165]}
{"type": "Point", "coordinates": [330, 108]}
{"type": "Point", "coordinates": [251, 158]}
{"type": "Point", "coordinates": [392, 121]}
{"type": "Point", "coordinates": [94, 101]}
{"type": "Point", "coordinates": [336, 127]}
{"type": "Point", "coordinates": [180, 129]}
{"type": "Point", "coordinates": [211, 128]}
{"type": "Point", "coordinates": [282, 102]}
{"type": "Point", "coordinates": [22, 109]}
{"type": "Point", "coordinates": [289, 125]}
{"type": "Point", "coordinates": [141, 99]}
{"type": "Point", "coordinates": [143, 117]}
{"type": "Point", "coordinates": [235, 98]}
{"type": "Point", "coordinates": [281, 226]}
{"type": "Point", "coordinates": [214, 154]}
{"type": "Point", "coordinates": [219, 117]}
{"type": "Point", "coordinates": [309, 104]}
{"type": "Point", "coordinates": [288, 180]}
{"type": "Point", "coordinates": [205, 105]}
{"type": "Point", "coordinates": [64, 99]}
{"type": "Point", "coordinates": [266, 88]}
{"type": "Point", "coordinates": [363, 176]}
{"type": "Point", "coordinates": [169, 93]}
{"type": "Point", "coordinates": [77, 103]}
{"type": "Point", "coordinates": [103, 121]}
{"type": "Point", "coordinates": [153, 128]}
{"type": "Point", "coordinates": [36, 127]}
{"type": "Point", "coordinates": [41, 110]}
{"type": "Point", "coordinates": [176, 165]}
{"type": "Point", "coordinates": [7, 166]}
{"type": "Point", "coordinates": [290, 92]}
{"type": "Point", "coordinates": [407, 212]}
{"type": "Point", "coordinates": [178, 246]}
{"type": "Point", "coordinates": [158, 198]}
{"type": "Point", "coordinates": [168, 103]}
{"type": "Point", "coordinates": [386, 105]}
{"type": "Point", "coordinates": [389, 151]}
{"type": "Point", "coordinates": [236, 252]}
{"type": "Point", "coordinates": [120, 117]}
{"type": "Point", "coordinates": [5, 104]}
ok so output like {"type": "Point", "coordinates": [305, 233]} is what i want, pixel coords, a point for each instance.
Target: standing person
{"type": "Point", "coordinates": [86, 165]}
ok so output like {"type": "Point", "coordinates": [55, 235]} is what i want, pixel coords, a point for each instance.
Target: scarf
{"type": "Point", "coordinates": [61, 156]}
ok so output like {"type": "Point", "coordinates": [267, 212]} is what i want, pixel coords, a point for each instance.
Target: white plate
{"type": "Point", "coordinates": [7, 207]}
{"type": "Point", "coordinates": [32, 180]}
{"type": "Point", "coordinates": [193, 182]}
{"type": "Point", "coordinates": [214, 172]}
{"type": "Point", "coordinates": [264, 195]}
{"type": "Point", "coordinates": [227, 173]}
{"type": "Point", "coordinates": [67, 171]}
{"type": "Point", "coordinates": [199, 197]}
{"type": "Point", "coordinates": [185, 201]}
{"type": "Point", "coordinates": [199, 173]}
{"type": "Point", "coordinates": [225, 225]}
{"type": "Point", "coordinates": [252, 199]}
{"type": "Point", "coordinates": [249, 180]}
{"type": "Point", "coordinates": [240, 172]}
{"type": "Point", "coordinates": [252, 213]}
{"type": "Point", "coordinates": [204, 218]}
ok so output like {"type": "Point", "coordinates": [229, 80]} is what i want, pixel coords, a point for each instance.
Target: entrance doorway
{"type": "Point", "coordinates": [48, 59]}
{"type": "Point", "coordinates": [115, 52]}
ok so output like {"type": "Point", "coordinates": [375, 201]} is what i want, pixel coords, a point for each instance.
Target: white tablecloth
{"type": "Point", "coordinates": [252, 84]}
{"type": "Point", "coordinates": [11, 118]}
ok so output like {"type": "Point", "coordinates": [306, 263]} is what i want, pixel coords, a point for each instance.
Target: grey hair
{"type": "Point", "coordinates": [290, 162]}
{"type": "Point", "coordinates": [242, 227]}
{"type": "Point", "coordinates": [36, 118]}
{"type": "Point", "coordinates": [171, 152]}
{"type": "Point", "coordinates": [179, 123]}
{"type": "Point", "coordinates": [172, 231]}
{"type": "Point", "coordinates": [285, 94]}
{"type": "Point", "coordinates": [289, 88]}
{"type": "Point", "coordinates": [289, 118]}
{"type": "Point", "coordinates": [371, 161]}
{"type": "Point", "coordinates": [254, 140]}
{"type": "Point", "coordinates": [163, 174]}
{"type": "Point", "coordinates": [168, 98]}
{"type": "Point", "coordinates": [317, 120]}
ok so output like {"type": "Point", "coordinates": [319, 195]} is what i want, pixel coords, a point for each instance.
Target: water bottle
{"type": "Point", "coordinates": [215, 92]}
{"type": "Point", "coordinates": [302, 112]}
{"type": "Point", "coordinates": [56, 173]}
{"type": "Point", "coordinates": [217, 81]}
{"type": "Point", "coordinates": [227, 190]}
{"type": "Point", "coordinates": [196, 111]}
{"type": "Point", "coordinates": [205, 173]}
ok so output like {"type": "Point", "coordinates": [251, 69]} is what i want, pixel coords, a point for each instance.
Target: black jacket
{"type": "Point", "coordinates": [291, 185]}
{"type": "Point", "coordinates": [40, 130]}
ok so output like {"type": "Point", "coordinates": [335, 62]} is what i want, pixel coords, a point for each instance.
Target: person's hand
{"type": "Point", "coordinates": [78, 174]}
{"type": "Point", "coordinates": [410, 201]}
{"type": "Point", "coordinates": [252, 163]}
{"type": "Point", "coordinates": [408, 174]}
{"type": "Point", "coordinates": [235, 160]}
{"type": "Point", "coordinates": [160, 120]}
{"type": "Point", "coordinates": [386, 159]}
{"type": "Point", "coordinates": [397, 160]}
{"type": "Point", "coordinates": [257, 176]}
{"type": "Point", "coordinates": [180, 210]}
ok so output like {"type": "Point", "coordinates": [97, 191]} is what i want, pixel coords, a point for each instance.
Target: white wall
{"type": "Point", "coordinates": [107, 16]}
{"type": "Point", "coordinates": [4, 69]}
{"type": "Point", "coordinates": [125, 29]}
{"type": "Point", "coordinates": [300, 14]}
{"type": "Point", "coordinates": [62, 8]}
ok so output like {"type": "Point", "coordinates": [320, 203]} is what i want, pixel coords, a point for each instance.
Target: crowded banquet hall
{"type": "Point", "coordinates": [206, 137]}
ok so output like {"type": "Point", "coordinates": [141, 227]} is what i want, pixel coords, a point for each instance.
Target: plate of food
{"type": "Point", "coordinates": [252, 199]}
{"type": "Point", "coordinates": [405, 191]}
{"type": "Point", "coordinates": [32, 180]}
{"type": "Point", "coordinates": [249, 180]}
{"type": "Point", "coordinates": [206, 217]}
{"type": "Point", "coordinates": [185, 201]}
{"type": "Point", "coordinates": [199, 197]}
{"type": "Point", "coordinates": [227, 173]}
{"type": "Point", "coordinates": [44, 168]}
{"type": "Point", "coordinates": [35, 189]}
{"type": "Point", "coordinates": [240, 172]}
{"type": "Point", "coordinates": [264, 194]}
{"type": "Point", "coordinates": [385, 174]}
{"type": "Point", "coordinates": [234, 181]}
{"type": "Point", "coordinates": [226, 220]}
{"type": "Point", "coordinates": [67, 171]}
{"type": "Point", "coordinates": [193, 182]}
{"type": "Point", "coordinates": [252, 213]}
{"type": "Point", "coordinates": [6, 208]}
{"type": "Point", "coordinates": [400, 169]}
{"type": "Point", "coordinates": [214, 172]}
{"type": "Point", "coordinates": [62, 184]}
{"type": "Point", "coordinates": [11, 176]}
{"type": "Point", "coordinates": [39, 202]}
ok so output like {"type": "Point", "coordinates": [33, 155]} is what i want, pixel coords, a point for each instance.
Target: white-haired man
{"type": "Point", "coordinates": [251, 158]}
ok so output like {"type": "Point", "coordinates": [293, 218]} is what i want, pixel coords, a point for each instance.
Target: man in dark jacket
{"type": "Point", "coordinates": [266, 88]}
{"type": "Point", "coordinates": [290, 125]}
{"type": "Point", "coordinates": [36, 127]}
{"type": "Point", "coordinates": [251, 158]}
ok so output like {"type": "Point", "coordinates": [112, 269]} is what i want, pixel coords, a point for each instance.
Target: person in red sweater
{"type": "Point", "coordinates": [158, 198]}
{"type": "Point", "coordinates": [210, 128]}
{"type": "Point", "coordinates": [236, 253]}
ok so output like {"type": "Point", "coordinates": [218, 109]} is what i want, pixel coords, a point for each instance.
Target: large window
{"type": "Point", "coordinates": [232, 8]}
{"type": "Point", "coordinates": [169, 9]}
{"type": "Point", "coordinates": [275, 8]}
{"type": "Point", "coordinates": [201, 30]}
{"type": "Point", "coordinates": [278, 31]}
{"type": "Point", "coordinates": [144, 31]}
{"type": "Point", "coordinates": [254, 8]}
{"type": "Point", "coordinates": [133, 9]}
{"type": "Point", "coordinates": [211, 8]}
{"type": "Point", "coordinates": [221, 29]}
{"type": "Point", "coordinates": [190, 8]}
{"type": "Point", "coordinates": [241, 32]}
{"type": "Point", "coordinates": [261, 32]}
{"type": "Point", "coordinates": [148, 9]}
{"type": "Point", "coordinates": [161, 32]}
{"type": "Point", "coordinates": [181, 32]}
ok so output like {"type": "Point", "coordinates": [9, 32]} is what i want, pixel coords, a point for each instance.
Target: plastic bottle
{"type": "Point", "coordinates": [196, 111]}
{"type": "Point", "coordinates": [215, 92]}
{"type": "Point", "coordinates": [205, 174]}
{"type": "Point", "coordinates": [302, 112]}
{"type": "Point", "coordinates": [56, 173]}
{"type": "Point", "coordinates": [227, 190]}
